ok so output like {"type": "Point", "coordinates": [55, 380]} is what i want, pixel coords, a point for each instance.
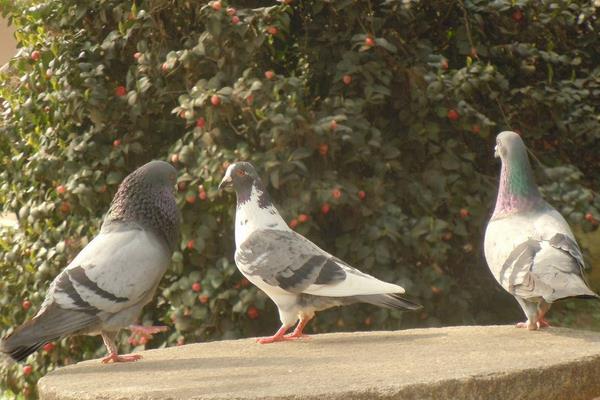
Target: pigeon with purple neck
{"type": "Point", "coordinates": [529, 246]}
{"type": "Point", "coordinates": [294, 272]}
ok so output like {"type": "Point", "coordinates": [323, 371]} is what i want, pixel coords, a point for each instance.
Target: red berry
{"type": "Point", "coordinates": [27, 370]}
{"type": "Point", "coordinates": [369, 41]}
{"type": "Point", "coordinates": [137, 55]}
{"type": "Point", "coordinates": [48, 347]}
{"type": "Point", "coordinates": [476, 129]}
{"type": "Point", "coordinates": [336, 193]}
{"type": "Point", "coordinates": [293, 223]}
{"type": "Point", "coordinates": [272, 30]}
{"type": "Point", "coordinates": [517, 15]}
{"type": "Point", "coordinates": [302, 218]}
{"type": "Point", "coordinates": [235, 20]}
{"type": "Point", "coordinates": [325, 208]}
{"type": "Point", "coordinates": [347, 79]}
{"type": "Point", "coordinates": [444, 63]}
{"type": "Point", "coordinates": [202, 195]}
{"type": "Point", "coordinates": [143, 340]}
{"type": "Point", "coordinates": [252, 312]}
{"type": "Point", "coordinates": [36, 55]}
{"type": "Point", "coordinates": [201, 122]}
{"type": "Point", "coordinates": [196, 287]}
{"type": "Point", "coordinates": [215, 100]}
{"type": "Point", "coordinates": [216, 5]}
{"type": "Point", "coordinates": [165, 67]}
{"type": "Point", "coordinates": [333, 125]}
{"type": "Point", "coordinates": [203, 299]}
{"type": "Point", "coordinates": [190, 246]}
{"type": "Point", "coordinates": [116, 143]}
{"type": "Point", "coordinates": [231, 11]}
{"type": "Point", "coordinates": [250, 99]}
{"type": "Point", "coordinates": [362, 194]}
{"type": "Point", "coordinates": [453, 115]}
{"type": "Point", "coordinates": [65, 207]}
{"type": "Point", "coordinates": [26, 304]}
{"type": "Point", "coordinates": [269, 74]}
{"type": "Point", "coordinates": [61, 189]}
{"type": "Point", "coordinates": [174, 158]}
{"type": "Point", "coordinates": [323, 149]}
{"type": "Point", "coordinates": [464, 213]}
{"type": "Point", "coordinates": [190, 198]}
{"type": "Point", "coordinates": [120, 91]}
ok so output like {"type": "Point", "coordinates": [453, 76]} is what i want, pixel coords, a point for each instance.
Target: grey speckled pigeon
{"type": "Point", "coordinates": [105, 287]}
{"type": "Point", "coordinates": [294, 272]}
{"type": "Point", "coordinates": [529, 246]}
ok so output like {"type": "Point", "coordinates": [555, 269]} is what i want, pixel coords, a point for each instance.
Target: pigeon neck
{"type": "Point", "coordinates": [154, 208]}
{"type": "Point", "coordinates": [255, 211]}
{"type": "Point", "coordinates": [517, 191]}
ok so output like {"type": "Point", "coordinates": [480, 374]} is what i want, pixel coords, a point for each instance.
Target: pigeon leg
{"type": "Point", "coordinates": [143, 330]}
{"type": "Point", "coordinates": [297, 334]}
{"type": "Point", "coordinates": [542, 310]}
{"type": "Point", "coordinates": [277, 337]}
{"type": "Point", "coordinates": [113, 355]}
{"type": "Point", "coordinates": [531, 313]}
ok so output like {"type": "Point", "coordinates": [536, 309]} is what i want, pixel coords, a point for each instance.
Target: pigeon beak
{"type": "Point", "coordinates": [225, 183]}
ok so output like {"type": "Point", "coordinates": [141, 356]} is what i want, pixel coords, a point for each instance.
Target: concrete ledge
{"type": "Point", "coordinates": [491, 362]}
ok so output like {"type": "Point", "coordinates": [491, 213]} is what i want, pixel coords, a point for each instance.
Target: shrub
{"type": "Point", "coordinates": [376, 120]}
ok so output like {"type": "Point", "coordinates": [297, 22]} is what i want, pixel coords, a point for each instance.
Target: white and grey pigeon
{"type": "Point", "coordinates": [105, 287]}
{"type": "Point", "coordinates": [529, 246]}
{"type": "Point", "coordinates": [294, 272]}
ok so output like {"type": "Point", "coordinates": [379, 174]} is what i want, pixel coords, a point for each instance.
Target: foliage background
{"type": "Point", "coordinates": [374, 120]}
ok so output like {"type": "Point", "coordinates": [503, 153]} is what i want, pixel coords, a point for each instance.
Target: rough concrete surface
{"type": "Point", "coordinates": [475, 362]}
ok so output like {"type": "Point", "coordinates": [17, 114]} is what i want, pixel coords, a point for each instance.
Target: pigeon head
{"type": "Point", "coordinates": [517, 190]}
{"type": "Point", "coordinates": [156, 173]}
{"type": "Point", "coordinates": [146, 196]}
{"type": "Point", "coordinates": [242, 177]}
{"type": "Point", "coordinates": [510, 146]}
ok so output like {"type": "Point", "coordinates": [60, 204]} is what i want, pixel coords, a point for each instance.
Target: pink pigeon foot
{"type": "Point", "coordinates": [115, 358]}
{"type": "Point", "coordinates": [279, 336]}
{"type": "Point", "coordinates": [526, 324]}
{"type": "Point", "coordinates": [297, 334]}
{"type": "Point", "coordinates": [543, 323]}
{"type": "Point", "coordinates": [143, 330]}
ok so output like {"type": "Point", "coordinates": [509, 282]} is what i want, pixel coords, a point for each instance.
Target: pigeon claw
{"type": "Point", "coordinates": [147, 330]}
{"type": "Point", "coordinates": [543, 323]}
{"type": "Point", "coordinates": [273, 339]}
{"type": "Point", "coordinates": [115, 358]}
{"type": "Point", "coordinates": [526, 324]}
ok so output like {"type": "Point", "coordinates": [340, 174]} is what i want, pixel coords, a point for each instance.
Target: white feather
{"type": "Point", "coordinates": [250, 217]}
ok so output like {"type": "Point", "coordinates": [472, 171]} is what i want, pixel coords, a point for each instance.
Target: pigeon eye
{"type": "Point", "coordinates": [240, 172]}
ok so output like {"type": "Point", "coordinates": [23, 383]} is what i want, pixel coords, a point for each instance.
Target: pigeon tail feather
{"type": "Point", "coordinates": [51, 324]}
{"type": "Point", "coordinates": [393, 301]}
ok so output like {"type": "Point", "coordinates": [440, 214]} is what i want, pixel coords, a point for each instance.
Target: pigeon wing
{"type": "Point", "coordinates": [288, 261]}
{"type": "Point", "coordinates": [115, 271]}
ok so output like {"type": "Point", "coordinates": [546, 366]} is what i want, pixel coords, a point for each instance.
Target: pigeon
{"type": "Point", "coordinates": [108, 283]}
{"type": "Point", "coordinates": [295, 273]}
{"type": "Point", "coordinates": [529, 246]}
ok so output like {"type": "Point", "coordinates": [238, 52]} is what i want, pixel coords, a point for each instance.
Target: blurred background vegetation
{"type": "Point", "coordinates": [372, 123]}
